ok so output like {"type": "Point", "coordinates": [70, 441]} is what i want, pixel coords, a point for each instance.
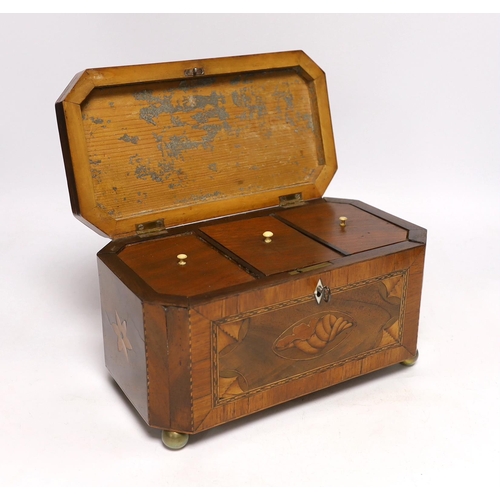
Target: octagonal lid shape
{"type": "Point", "coordinates": [161, 145]}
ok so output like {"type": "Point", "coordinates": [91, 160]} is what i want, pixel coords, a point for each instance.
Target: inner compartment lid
{"type": "Point", "coordinates": [162, 145]}
{"type": "Point", "coordinates": [362, 231]}
{"type": "Point", "coordinates": [286, 249]}
{"type": "Point", "coordinates": [156, 262]}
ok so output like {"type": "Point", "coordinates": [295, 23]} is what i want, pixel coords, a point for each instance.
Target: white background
{"type": "Point", "coordinates": [415, 103]}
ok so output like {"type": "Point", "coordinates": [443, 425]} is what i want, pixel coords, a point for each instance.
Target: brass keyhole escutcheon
{"type": "Point", "coordinates": [182, 259]}
{"type": "Point", "coordinates": [322, 292]}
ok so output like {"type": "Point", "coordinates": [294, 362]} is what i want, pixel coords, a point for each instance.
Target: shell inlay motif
{"type": "Point", "coordinates": [313, 337]}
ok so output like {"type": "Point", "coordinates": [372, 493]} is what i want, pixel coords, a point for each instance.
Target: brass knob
{"type": "Point", "coordinates": [267, 236]}
{"type": "Point", "coordinates": [182, 259]}
{"type": "Point", "coordinates": [343, 221]}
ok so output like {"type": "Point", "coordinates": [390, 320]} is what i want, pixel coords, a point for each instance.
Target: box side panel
{"type": "Point", "coordinates": [123, 331]}
{"type": "Point", "coordinates": [272, 345]}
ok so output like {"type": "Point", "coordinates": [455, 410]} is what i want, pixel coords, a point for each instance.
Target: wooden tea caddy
{"type": "Point", "coordinates": [230, 285]}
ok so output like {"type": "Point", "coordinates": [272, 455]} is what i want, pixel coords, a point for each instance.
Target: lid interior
{"type": "Point", "coordinates": [178, 149]}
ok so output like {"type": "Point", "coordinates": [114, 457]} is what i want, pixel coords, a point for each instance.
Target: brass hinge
{"type": "Point", "coordinates": [194, 72]}
{"type": "Point", "coordinates": [154, 226]}
{"type": "Point", "coordinates": [291, 200]}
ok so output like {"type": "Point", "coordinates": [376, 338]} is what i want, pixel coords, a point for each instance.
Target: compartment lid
{"type": "Point", "coordinates": [159, 145]}
{"type": "Point", "coordinates": [285, 250]}
{"type": "Point", "coordinates": [156, 262]}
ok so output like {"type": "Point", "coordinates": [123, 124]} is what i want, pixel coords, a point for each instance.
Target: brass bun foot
{"type": "Point", "coordinates": [174, 440]}
{"type": "Point", "coordinates": [410, 361]}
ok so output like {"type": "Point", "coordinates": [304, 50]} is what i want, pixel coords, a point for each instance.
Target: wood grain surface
{"type": "Point", "coordinates": [148, 142]}
{"type": "Point", "coordinates": [157, 264]}
{"type": "Point", "coordinates": [288, 250]}
{"type": "Point", "coordinates": [363, 231]}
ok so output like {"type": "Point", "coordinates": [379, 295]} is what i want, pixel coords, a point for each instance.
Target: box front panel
{"type": "Point", "coordinates": [275, 344]}
{"type": "Point", "coordinates": [266, 347]}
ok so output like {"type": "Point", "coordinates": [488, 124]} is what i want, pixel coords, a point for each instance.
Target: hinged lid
{"type": "Point", "coordinates": [187, 141]}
